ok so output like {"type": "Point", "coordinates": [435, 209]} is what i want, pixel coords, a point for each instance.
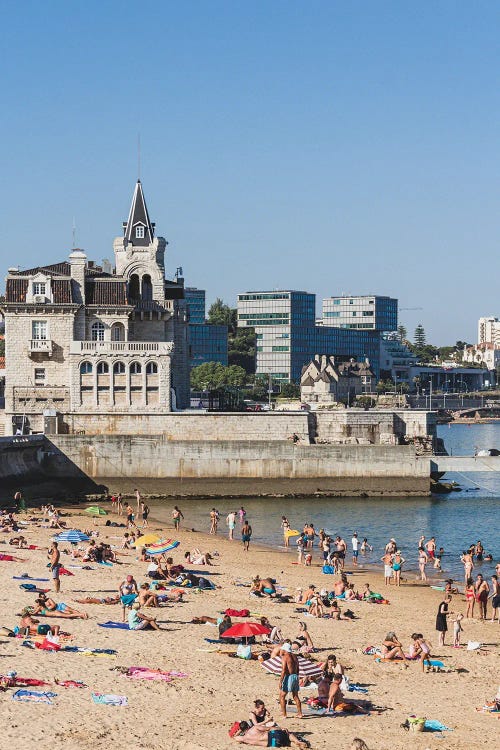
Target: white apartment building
{"type": "Point", "coordinates": [488, 331]}
{"type": "Point", "coordinates": [365, 312]}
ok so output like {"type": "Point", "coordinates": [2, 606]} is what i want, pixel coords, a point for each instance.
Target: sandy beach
{"type": "Point", "coordinates": [195, 712]}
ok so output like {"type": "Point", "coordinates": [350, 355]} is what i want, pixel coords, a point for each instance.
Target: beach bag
{"type": "Point", "coordinates": [328, 570]}
{"type": "Point", "coordinates": [344, 685]}
{"type": "Point", "coordinates": [43, 629]}
{"type": "Point", "coordinates": [244, 652]}
{"type": "Point", "coordinates": [278, 738]}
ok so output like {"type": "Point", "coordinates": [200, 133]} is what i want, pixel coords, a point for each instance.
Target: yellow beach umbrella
{"type": "Point", "coordinates": [145, 539]}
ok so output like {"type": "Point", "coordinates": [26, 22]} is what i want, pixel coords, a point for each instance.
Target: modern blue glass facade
{"type": "Point", "coordinates": [207, 344]}
{"type": "Point", "coordinates": [195, 300]}
{"type": "Point", "coordinates": [287, 337]}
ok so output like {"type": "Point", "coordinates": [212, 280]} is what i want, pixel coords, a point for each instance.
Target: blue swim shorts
{"type": "Point", "coordinates": [290, 684]}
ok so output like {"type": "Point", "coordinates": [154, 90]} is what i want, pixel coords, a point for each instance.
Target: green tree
{"type": "Point", "coordinates": [235, 375]}
{"type": "Point", "coordinates": [241, 347]}
{"type": "Point", "coordinates": [221, 314]}
{"type": "Point", "coordinates": [210, 376]}
{"type": "Point", "coordinates": [290, 390]}
{"type": "Point", "coordinates": [402, 332]}
{"type": "Point", "coordinates": [419, 336]}
{"type": "Point", "coordinates": [213, 376]}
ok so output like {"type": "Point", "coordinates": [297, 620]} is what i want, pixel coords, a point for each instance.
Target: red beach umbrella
{"type": "Point", "coordinates": [245, 630]}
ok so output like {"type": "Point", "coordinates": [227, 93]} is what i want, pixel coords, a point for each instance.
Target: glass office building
{"type": "Point", "coordinates": [365, 313]}
{"type": "Point", "coordinates": [207, 343]}
{"type": "Point", "coordinates": [287, 336]}
{"type": "Point", "coordinates": [195, 300]}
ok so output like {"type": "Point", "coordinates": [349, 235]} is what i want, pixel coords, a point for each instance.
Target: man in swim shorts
{"type": "Point", "coordinates": [289, 679]}
{"type": "Point", "coordinates": [55, 565]}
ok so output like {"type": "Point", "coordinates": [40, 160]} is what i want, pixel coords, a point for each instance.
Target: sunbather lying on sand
{"type": "Point", "coordinates": [258, 736]}
{"type": "Point", "coordinates": [96, 600]}
{"type": "Point", "coordinates": [49, 608]}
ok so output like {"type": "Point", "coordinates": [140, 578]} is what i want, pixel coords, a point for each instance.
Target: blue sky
{"type": "Point", "coordinates": [327, 146]}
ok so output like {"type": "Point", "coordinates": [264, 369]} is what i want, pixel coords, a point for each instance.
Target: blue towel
{"type": "Point", "coordinates": [33, 696]}
{"type": "Point", "coordinates": [29, 578]}
{"type": "Point", "coordinates": [79, 649]}
{"type": "Point", "coordinates": [354, 688]}
{"type": "Point", "coordinates": [111, 624]}
{"type": "Point", "coordinates": [433, 725]}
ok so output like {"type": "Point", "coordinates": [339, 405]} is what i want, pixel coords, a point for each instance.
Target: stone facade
{"type": "Point", "coordinates": [80, 338]}
{"type": "Point", "coordinates": [325, 382]}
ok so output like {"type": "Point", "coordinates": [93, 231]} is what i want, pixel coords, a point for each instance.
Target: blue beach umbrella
{"type": "Point", "coordinates": [72, 535]}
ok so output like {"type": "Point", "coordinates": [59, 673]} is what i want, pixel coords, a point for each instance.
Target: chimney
{"type": "Point", "coordinates": [78, 261]}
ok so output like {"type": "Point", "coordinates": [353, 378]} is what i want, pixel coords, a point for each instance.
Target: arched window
{"type": "Point", "coordinates": [85, 368]}
{"type": "Point", "coordinates": [97, 331]}
{"type": "Point", "coordinates": [102, 368]}
{"type": "Point", "coordinates": [147, 288]}
{"type": "Point", "coordinates": [117, 332]}
{"type": "Point", "coordinates": [135, 368]}
{"type": "Point", "coordinates": [134, 290]}
{"type": "Point", "coordinates": [151, 368]}
{"type": "Point", "coordinates": [119, 368]}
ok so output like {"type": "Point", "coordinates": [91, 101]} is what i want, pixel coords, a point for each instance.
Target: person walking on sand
{"type": "Point", "coordinates": [138, 499]}
{"type": "Point", "coordinates": [246, 535]}
{"type": "Point", "coordinates": [119, 503]}
{"type": "Point", "coordinates": [145, 514]}
{"type": "Point", "coordinates": [289, 679]}
{"type": "Point", "coordinates": [231, 523]}
{"type": "Point", "coordinates": [55, 565]}
{"type": "Point", "coordinates": [441, 622]}
{"type": "Point", "coordinates": [176, 517]}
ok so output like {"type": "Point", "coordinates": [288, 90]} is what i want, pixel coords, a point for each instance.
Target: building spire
{"type": "Point", "coordinates": [138, 230]}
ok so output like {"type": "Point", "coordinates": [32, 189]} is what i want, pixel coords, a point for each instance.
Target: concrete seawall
{"type": "Point", "coordinates": [239, 467]}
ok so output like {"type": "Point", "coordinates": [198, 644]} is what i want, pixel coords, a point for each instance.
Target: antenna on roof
{"type": "Point", "coordinates": [138, 156]}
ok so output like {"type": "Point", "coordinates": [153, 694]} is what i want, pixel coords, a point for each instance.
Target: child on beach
{"type": "Point", "coordinates": [420, 648]}
{"type": "Point", "coordinates": [457, 629]}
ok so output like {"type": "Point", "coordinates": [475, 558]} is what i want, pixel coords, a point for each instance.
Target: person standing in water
{"type": "Point", "coordinates": [242, 515]}
{"type": "Point", "coordinates": [214, 521]}
{"type": "Point", "coordinates": [231, 523]}
{"type": "Point", "coordinates": [285, 527]}
{"type": "Point", "coordinates": [176, 517]}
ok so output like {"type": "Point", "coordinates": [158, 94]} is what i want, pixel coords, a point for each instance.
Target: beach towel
{"type": "Point", "coordinates": [433, 725]}
{"type": "Point", "coordinates": [109, 699]}
{"type": "Point", "coordinates": [93, 652]}
{"type": "Point", "coordinates": [71, 683]}
{"type": "Point", "coordinates": [355, 688]}
{"type": "Point", "coordinates": [33, 696]}
{"type": "Point", "coordinates": [107, 564]}
{"type": "Point", "coordinates": [65, 572]}
{"type": "Point", "coordinates": [111, 624]}
{"type": "Point", "coordinates": [32, 588]}
{"type": "Point", "coordinates": [26, 577]}
{"type": "Point", "coordinates": [144, 673]}
{"type": "Point", "coordinates": [237, 612]}
{"type": "Point", "coordinates": [371, 650]}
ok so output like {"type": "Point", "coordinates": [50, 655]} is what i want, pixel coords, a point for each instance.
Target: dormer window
{"type": "Point", "coordinates": [139, 233]}
{"type": "Point", "coordinates": [39, 288]}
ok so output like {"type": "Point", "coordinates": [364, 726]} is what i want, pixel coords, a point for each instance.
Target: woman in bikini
{"type": "Point", "coordinates": [470, 597]}
{"type": "Point", "coordinates": [47, 607]}
{"type": "Point", "coordinates": [422, 562]}
{"type": "Point", "coordinates": [392, 648]}
{"type": "Point", "coordinates": [304, 639]}
{"type": "Point", "coordinates": [468, 565]}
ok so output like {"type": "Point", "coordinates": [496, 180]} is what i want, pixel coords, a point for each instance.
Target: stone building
{"type": "Point", "coordinates": [85, 339]}
{"type": "Point", "coordinates": [325, 381]}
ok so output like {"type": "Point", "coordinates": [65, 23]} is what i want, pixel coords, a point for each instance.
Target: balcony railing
{"type": "Point", "coordinates": [41, 346]}
{"type": "Point", "coordinates": [124, 348]}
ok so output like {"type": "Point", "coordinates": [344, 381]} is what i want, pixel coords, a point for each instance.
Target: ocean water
{"type": "Point", "coordinates": [456, 520]}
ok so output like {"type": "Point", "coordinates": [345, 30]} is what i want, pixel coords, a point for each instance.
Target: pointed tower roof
{"type": "Point", "coordinates": [138, 230]}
